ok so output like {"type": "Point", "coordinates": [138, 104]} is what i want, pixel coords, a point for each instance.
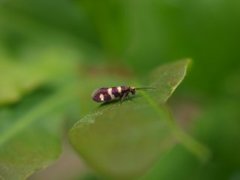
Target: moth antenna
{"type": "Point", "coordinates": [144, 88]}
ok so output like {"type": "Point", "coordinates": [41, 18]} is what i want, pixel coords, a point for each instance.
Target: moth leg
{"type": "Point", "coordinates": [124, 96]}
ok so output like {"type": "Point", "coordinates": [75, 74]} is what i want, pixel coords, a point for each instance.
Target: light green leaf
{"type": "Point", "coordinates": [124, 140]}
{"type": "Point", "coordinates": [36, 67]}
{"type": "Point", "coordinates": [166, 79]}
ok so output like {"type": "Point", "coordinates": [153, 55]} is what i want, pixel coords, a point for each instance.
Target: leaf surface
{"type": "Point", "coordinates": [122, 140]}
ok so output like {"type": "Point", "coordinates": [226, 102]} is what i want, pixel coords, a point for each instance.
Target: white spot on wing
{"type": "Point", "coordinates": [101, 97]}
{"type": "Point", "coordinates": [119, 88]}
{"type": "Point", "coordinates": [110, 93]}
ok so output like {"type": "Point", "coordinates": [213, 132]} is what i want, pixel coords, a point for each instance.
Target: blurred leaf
{"type": "Point", "coordinates": [109, 19]}
{"type": "Point", "coordinates": [29, 136]}
{"type": "Point", "coordinates": [43, 83]}
{"type": "Point", "coordinates": [32, 149]}
{"type": "Point", "coordinates": [34, 68]}
{"type": "Point", "coordinates": [16, 81]}
{"type": "Point", "coordinates": [124, 140]}
{"type": "Point", "coordinates": [44, 19]}
{"type": "Point", "coordinates": [177, 164]}
{"type": "Point", "coordinates": [218, 128]}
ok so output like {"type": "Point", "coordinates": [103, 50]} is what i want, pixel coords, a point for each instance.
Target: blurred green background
{"type": "Point", "coordinates": [53, 52]}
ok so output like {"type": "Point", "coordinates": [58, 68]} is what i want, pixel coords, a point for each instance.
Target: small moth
{"type": "Point", "coordinates": [114, 93]}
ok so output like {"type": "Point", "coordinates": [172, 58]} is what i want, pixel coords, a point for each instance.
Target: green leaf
{"type": "Point", "coordinates": [29, 150]}
{"type": "Point", "coordinates": [124, 140]}
{"type": "Point", "coordinates": [178, 160]}
{"type": "Point", "coordinates": [121, 145]}
{"type": "Point", "coordinates": [16, 80]}
{"type": "Point", "coordinates": [30, 133]}
{"type": "Point", "coordinates": [166, 79]}
{"type": "Point", "coordinates": [44, 85]}
{"type": "Point", "coordinates": [219, 128]}
{"type": "Point", "coordinates": [33, 69]}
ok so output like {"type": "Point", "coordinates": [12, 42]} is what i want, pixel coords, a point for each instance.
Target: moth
{"type": "Point", "coordinates": [105, 94]}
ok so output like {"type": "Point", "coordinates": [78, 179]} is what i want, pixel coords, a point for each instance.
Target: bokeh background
{"type": "Point", "coordinates": [50, 48]}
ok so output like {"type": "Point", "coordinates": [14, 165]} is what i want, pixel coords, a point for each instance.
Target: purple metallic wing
{"type": "Point", "coordinates": [101, 95]}
{"type": "Point", "coordinates": [117, 91]}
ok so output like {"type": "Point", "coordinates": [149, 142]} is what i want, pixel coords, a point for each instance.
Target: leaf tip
{"type": "Point", "coordinates": [188, 62]}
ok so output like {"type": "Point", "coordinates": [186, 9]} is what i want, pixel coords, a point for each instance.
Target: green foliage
{"type": "Point", "coordinates": [219, 129]}
{"type": "Point", "coordinates": [30, 135]}
{"type": "Point", "coordinates": [124, 140]}
{"type": "Point", "coordinates": [176, 164]}
{"type": "Point", "coordinates": [30, 130]}
{"type": "Point", "coordinates": [32, 70]}
{"type": "Point", "coordinates": [53, 54]}
{"type": "Point", "coordinates": [145, 32]}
